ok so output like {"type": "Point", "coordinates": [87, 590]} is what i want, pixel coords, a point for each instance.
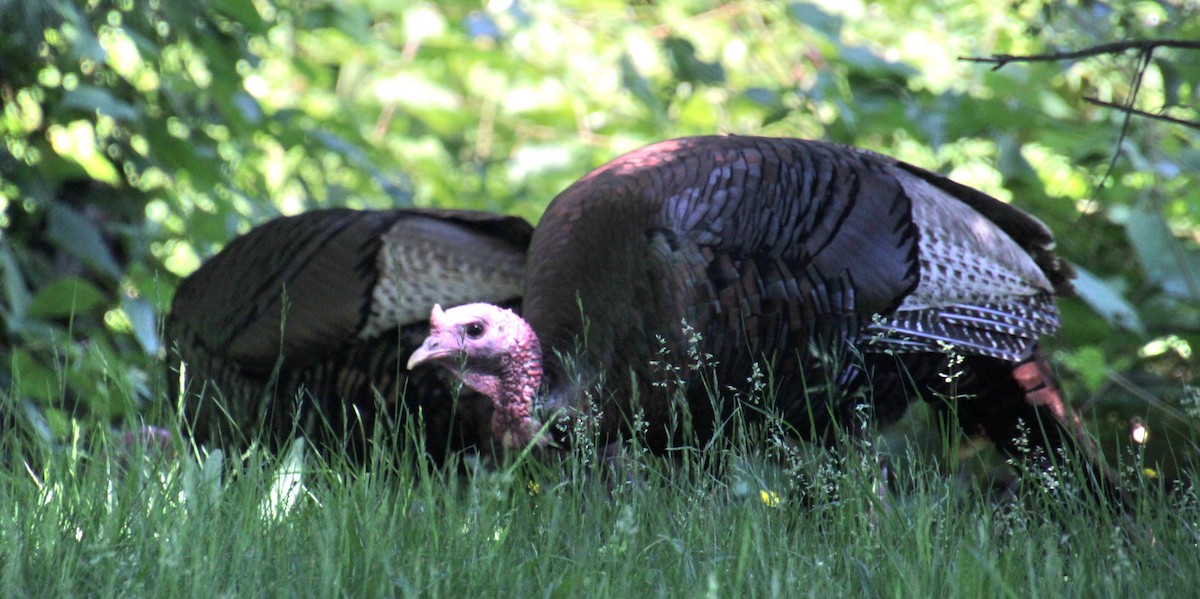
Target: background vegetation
{"type": "Point", "coordinates": [141, 135]}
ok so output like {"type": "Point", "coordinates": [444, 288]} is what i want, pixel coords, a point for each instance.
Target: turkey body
{"type": "Point", "coordinates": [302, 327]}
{"type": "Point", "coordinates": [835, 277]}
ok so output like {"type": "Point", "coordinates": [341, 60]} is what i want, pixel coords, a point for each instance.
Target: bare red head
{"type": "Point", "coordinates": [495, 352]}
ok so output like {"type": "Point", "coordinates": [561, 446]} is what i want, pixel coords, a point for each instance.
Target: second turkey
{"type": "Point", "coordinates": [302, 326]}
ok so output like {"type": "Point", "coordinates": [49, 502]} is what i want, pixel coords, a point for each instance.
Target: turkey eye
{"type": "Point", "coordinates": [474, 330]}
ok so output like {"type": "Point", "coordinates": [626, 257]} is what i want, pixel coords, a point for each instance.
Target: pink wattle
{"type": "Point", "coordinates": [521, 375]}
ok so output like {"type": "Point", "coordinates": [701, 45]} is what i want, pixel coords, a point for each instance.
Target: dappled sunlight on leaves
{"type": "Point", "coordinates": [139, 139]}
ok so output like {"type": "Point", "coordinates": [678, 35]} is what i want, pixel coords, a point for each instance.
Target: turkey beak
{"type": "Point", "coordinates": [430, 350]}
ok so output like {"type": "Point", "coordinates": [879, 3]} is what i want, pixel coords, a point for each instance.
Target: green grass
{"type": "Point", "coordinates": [300, 526]}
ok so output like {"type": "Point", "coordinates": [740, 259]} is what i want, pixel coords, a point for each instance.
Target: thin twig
{"type": "Point", "coordinates": [1143, 64]}
{"type": "Point", "coordinates": [1110, 48]}
{"type": "Point", "coordinates": [1149, 115]}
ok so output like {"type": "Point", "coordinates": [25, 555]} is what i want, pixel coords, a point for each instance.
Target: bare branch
{"type": "Point", "coordinates": [1145, 52]}
{"type": "Point", "coordinates": [1143, 63]}
{"type": "Point", "coordinates": [1111, 48]}
{"type": "Point", "coordinates": [1149, 115]}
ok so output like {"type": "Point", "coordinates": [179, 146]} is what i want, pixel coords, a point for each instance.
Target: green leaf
{"type": "Point", "coordinates": [1107, 301]}
{"type": "Point", "coordinates": [633, 81]}
{"type": "Point", "coordinates": [870, 64]}
{"type": "Point", "coordinates": [243, 12]}
{"type": "Point", "coordinates": [85, 45]}
{"type": "Point", "coordinates": [686, 67]}
{"type": "Point", "coordinates": [91, 99]}
{"type": "Point", "coordinates": [248, 108]}
{"type": "Point", "coordinates": [16, 295]}
{"type": "Point", "coordinates": [1090, 364]}
{"type": "Point", "coordinates": [66, 297]}
{"type": "Point", "coordinates": [80, 237]}
{"type": "Point", "coordinates": [34, 379]}
{"type": "Point", "coordinates": [1164, 259]}
{"type": "Point", "coordinates": [141, 318]}
{"type": "Point", "coordinates": [816, 18]}
{"type": "Point", "coordinates": [770, 99]}
{"type": "Point", "coordinates": [1173, 81]}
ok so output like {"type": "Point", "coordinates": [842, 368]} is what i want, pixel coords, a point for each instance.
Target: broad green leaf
{"type": "Point", "coordinates": [1173, 82]}
{"type": "Point", "coordinates": [1165, 260]}
{"type": "Point", "coordinates": [813, 16]}
{"type": "Point", "coordinates": [868, 63]}
{"type": "Point", "coordinates": [34, 379]}
{"type": "Point", "coordinates": [633, 81]}
{"type": "Point", "coordinates": [248, 107]}
{"type": "Point", "coordinates": [1107, 301]}
{"type": "Point", "coordinates": [243, 12]}
{"type": "Point", "coordinates": [687, 67]}
{"type": "Point", "coordinates": [144, 323]}
{"type": "Point", "coordinates": [1090, 364]}
{"type": "Point", "coordinates": [80, 237]}
{"type": "Point", "coordinates": [84, 45]}
{"type": "Point", "coordinates": [89, 99]}
{"type": "Point", "coordinates": [16, 295]}
{"type": "Point", "coordinates": [66, 297]}
{"type": "Point", "coordinates": [769, 99]}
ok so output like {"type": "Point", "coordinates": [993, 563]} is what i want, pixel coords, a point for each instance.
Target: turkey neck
{"type": "Point", "coordinates": [587, 295]}
{"type": "Point", "coordinates": [513, 394]}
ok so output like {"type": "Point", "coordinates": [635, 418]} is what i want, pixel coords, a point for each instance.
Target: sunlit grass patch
{"type": "Point", "coordinates": [302, 525]}
{"type": "Point", "coordinates": [750, 512]}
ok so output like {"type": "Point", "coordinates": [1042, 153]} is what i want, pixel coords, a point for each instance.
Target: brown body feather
{"type": "Point", "coordinates": [851, 276]}
{"type": "Point", "coordinates": [764, 246]}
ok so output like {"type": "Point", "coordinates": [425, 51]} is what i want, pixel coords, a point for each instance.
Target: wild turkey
{"type": "Point", "coordinates": [853, 278]}
{"type": "Point", "coordinates": [295, 326]}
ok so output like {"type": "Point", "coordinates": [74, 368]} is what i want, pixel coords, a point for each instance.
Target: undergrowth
{"type": "Point", "coordinates": [122, 521]}
{"type": "Point", "coordinates": [751, 512]}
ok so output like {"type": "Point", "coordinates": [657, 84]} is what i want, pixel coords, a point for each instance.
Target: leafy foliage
{"type": "Point", "coordinates": [139, 137]}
